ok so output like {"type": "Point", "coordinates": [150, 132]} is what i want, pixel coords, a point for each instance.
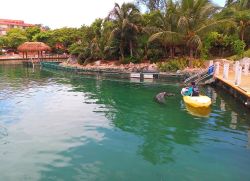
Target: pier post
{"type": "Point", "coordinates": [211, 62]}
{"type": "Point", "coordinates": [237, 64]}
{"type": "Point", "coordinates": [225, 71]}
{"type": "Point", "coordinates": [238, 76]}
{"type": "Point", "coordinates": [246, 68]}
{"type": "Point", "coordinates": [217, 68]}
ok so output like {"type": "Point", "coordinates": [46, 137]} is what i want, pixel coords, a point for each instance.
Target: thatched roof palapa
{"type": "Point", "coordinates": [33, 47]}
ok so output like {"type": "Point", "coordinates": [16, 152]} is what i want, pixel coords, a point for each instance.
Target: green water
{"type": "Point", "coordinates": [62, 127]}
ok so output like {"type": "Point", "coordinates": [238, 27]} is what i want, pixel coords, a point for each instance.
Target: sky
{"type": "Point", "coordinates": [60, 13]}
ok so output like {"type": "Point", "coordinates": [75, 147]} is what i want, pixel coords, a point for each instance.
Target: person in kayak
{"type": "Point", "coordinates": [194, 89]}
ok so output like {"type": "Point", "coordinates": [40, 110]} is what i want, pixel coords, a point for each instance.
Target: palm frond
{"type": "Point", "coordinates": [211, 26]}
{"type": "Point", "coordinates": [151, 30]}
{"type": "Point", "coordinates": [194, 42]}
{"type": "Point", "coordinates": [167, 38]}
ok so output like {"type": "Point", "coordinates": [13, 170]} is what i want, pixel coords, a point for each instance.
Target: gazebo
{"type": "Point", "coordinates": [32, 47]}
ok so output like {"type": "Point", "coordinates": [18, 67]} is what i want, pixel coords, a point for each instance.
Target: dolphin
{"type": "Point", "coordinates": [160, 97]}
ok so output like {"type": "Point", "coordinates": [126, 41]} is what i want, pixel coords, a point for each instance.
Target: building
{"type": "Point", "coordinates": [6, 24]}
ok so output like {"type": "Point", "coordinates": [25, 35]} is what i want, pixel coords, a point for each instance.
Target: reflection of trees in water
{"type": "Point", "coordinates": [236, 115]}
{"type": "Point", "coordinates": [131, 108]}
{"type": "Point", "coordinates": [17, 79]}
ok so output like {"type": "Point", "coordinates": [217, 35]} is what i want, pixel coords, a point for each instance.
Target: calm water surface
{"type": "Point", "coordinates": [62, 127]}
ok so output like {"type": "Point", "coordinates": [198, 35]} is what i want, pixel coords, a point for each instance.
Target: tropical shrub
{"type": "Point", "coordinates": [81, 59]}
{"type": "Point", "coordinates": [173, 65]}
{"type": "Point", "coordinates": [155, 55]}
{"type": "Point", "coordinates": [198, 63]}
{"type": "Point", "coordinates": [239, 47]}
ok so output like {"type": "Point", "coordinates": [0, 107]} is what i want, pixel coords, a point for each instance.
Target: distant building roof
{"type": "Point", "coordinates": [14, 22]}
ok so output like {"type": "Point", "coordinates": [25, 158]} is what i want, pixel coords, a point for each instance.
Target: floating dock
{"type": "Point", "coordinates": [234, 80]}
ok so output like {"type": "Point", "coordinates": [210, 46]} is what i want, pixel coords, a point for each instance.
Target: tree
{"type": "Point", "coordinates": [31, 32]}
{"type": "Point", "coordinates": [45, 37]}
{"type": "Point", "coordinates": [196, 20]}
{"type": "Point", "coordinates": [168, 33]}
{"type": "Point", "coordinates": [239, 12]}
{"type": "Point", "coordinates": [64, 37]}
{"type": "Point", "coordinates": [153, 5]}
{"type": "Point", "coordinates": [126, 19]}
{"type": "Point", "coordinates": [14, 38]}
{"type": "Point", "coordinates": [242, 18]}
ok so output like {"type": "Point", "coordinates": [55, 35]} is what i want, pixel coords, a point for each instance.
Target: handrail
{"type": "Point", "coordinates": [201, 75]}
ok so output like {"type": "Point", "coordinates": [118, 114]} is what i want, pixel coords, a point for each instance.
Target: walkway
{"type": "Point", "coordinates": [243, 87]}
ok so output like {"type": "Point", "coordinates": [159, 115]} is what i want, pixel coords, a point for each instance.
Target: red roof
{"type": "Point", "coordinates": [14, 22]}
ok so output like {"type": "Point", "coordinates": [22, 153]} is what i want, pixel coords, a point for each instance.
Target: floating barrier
{"type": "Point", "coordinates": [141, 76]}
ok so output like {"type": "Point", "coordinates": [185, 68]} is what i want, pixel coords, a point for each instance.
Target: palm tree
{"type": "Point", "coordinates": [240, 13]}
{"type": "Point", "coordinates": [242, 18]}
{"type": "Point", "coordinates": [196, 20]}
{"type": "Point", "coordinates": [168, 33]}
{"type": "Point", "coordinates": [126, 19]}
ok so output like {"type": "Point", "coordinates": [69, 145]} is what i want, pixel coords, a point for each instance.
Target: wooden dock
{"type": "Point", "coordinates": [35, 58]}
{"type": "Point", "coordinates": [240, 91]}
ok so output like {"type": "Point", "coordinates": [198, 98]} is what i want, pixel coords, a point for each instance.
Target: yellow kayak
{"type": "Point", "coordinates": [197, 101]}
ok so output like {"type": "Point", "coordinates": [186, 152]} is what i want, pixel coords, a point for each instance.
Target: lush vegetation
{"type": "Point", "coordinates": [169, 29]}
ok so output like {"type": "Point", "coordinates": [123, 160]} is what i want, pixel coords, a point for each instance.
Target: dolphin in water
{"type": "Point", "coordinates": [160, 97]}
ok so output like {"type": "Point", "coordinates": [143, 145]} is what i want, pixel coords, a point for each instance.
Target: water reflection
{"type": "Point", "coordinates": [233, 124]}
{"type": "Point", "coordinates": [73, 128]}
{"type": "Point", "coordinates": [222, 105]}
{"type": "Point", "coordinates": [161, 127]}
{"type": "Point", "coordinates": [248, 136]}
{"type": "Point", "coordinates": [199, 112]}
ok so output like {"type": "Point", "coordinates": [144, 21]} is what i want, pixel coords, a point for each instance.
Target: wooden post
{"type": "Point", "coordinates": [246, 68]}
{"type": "Point", "coordinates": [238, 76]}
{"type": "Point", "coordinates": [211, 62]}
{"type": "Point", "coordinates": [225, 71]}
{"type": "Point", "coordinates": [217, 68]}
{"type": "Point", "coordinates": [26, 54]}
{"type": "Point", "coordinates": [237, 64]}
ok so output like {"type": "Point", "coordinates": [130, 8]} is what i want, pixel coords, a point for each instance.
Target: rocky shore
{"type": "Point", "coordinates": [115, 66]}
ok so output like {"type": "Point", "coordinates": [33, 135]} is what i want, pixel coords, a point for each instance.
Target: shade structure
{"type": "Point", "coordinates": [33, 47]}
{"type": "Point", "coordinates": [38, 47]}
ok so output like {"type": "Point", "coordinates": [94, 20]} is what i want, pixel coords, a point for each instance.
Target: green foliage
{"type": "Point", "coordinates": [181, 27]}
{"type": "Point", "coordinates": [178, 64]}
{"type": "Point", "coordinates": [153, 5]}
{"type": "Point", "coordinates": [155, 55]}
{"type": "Point", "coordinates": [31, 32]}
{"type": "Point", "coordinates": [126, 19]}
{"type": "Point", "coordinates": [215, 41]}
{"type": "Point", "coordinates": [247, 53]}
{"type": "Point", "coordinates": [239, 47]}
{"type": "Point", "coordinates": [14, 38]}
{"type": "Point", "coordinates": [173, 65]}
{"type": "Point", "coordinates": [129, 59]}
{"type": "Point", "coordinates": [152, 19]}
{"type": "Point", "coordinates": [198, 63]}
{"type": "Point", "coordinates": [2, 41]}
{"type": "Point", "coordinates": [237, 57]}
{"type": "Point", "coordinates": [81, 58]}
{"type": "Point", "coordinates": [44, 36]}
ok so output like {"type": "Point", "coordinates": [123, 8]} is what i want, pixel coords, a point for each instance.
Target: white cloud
{"type": "Point", "coordinates": [57, 13]}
